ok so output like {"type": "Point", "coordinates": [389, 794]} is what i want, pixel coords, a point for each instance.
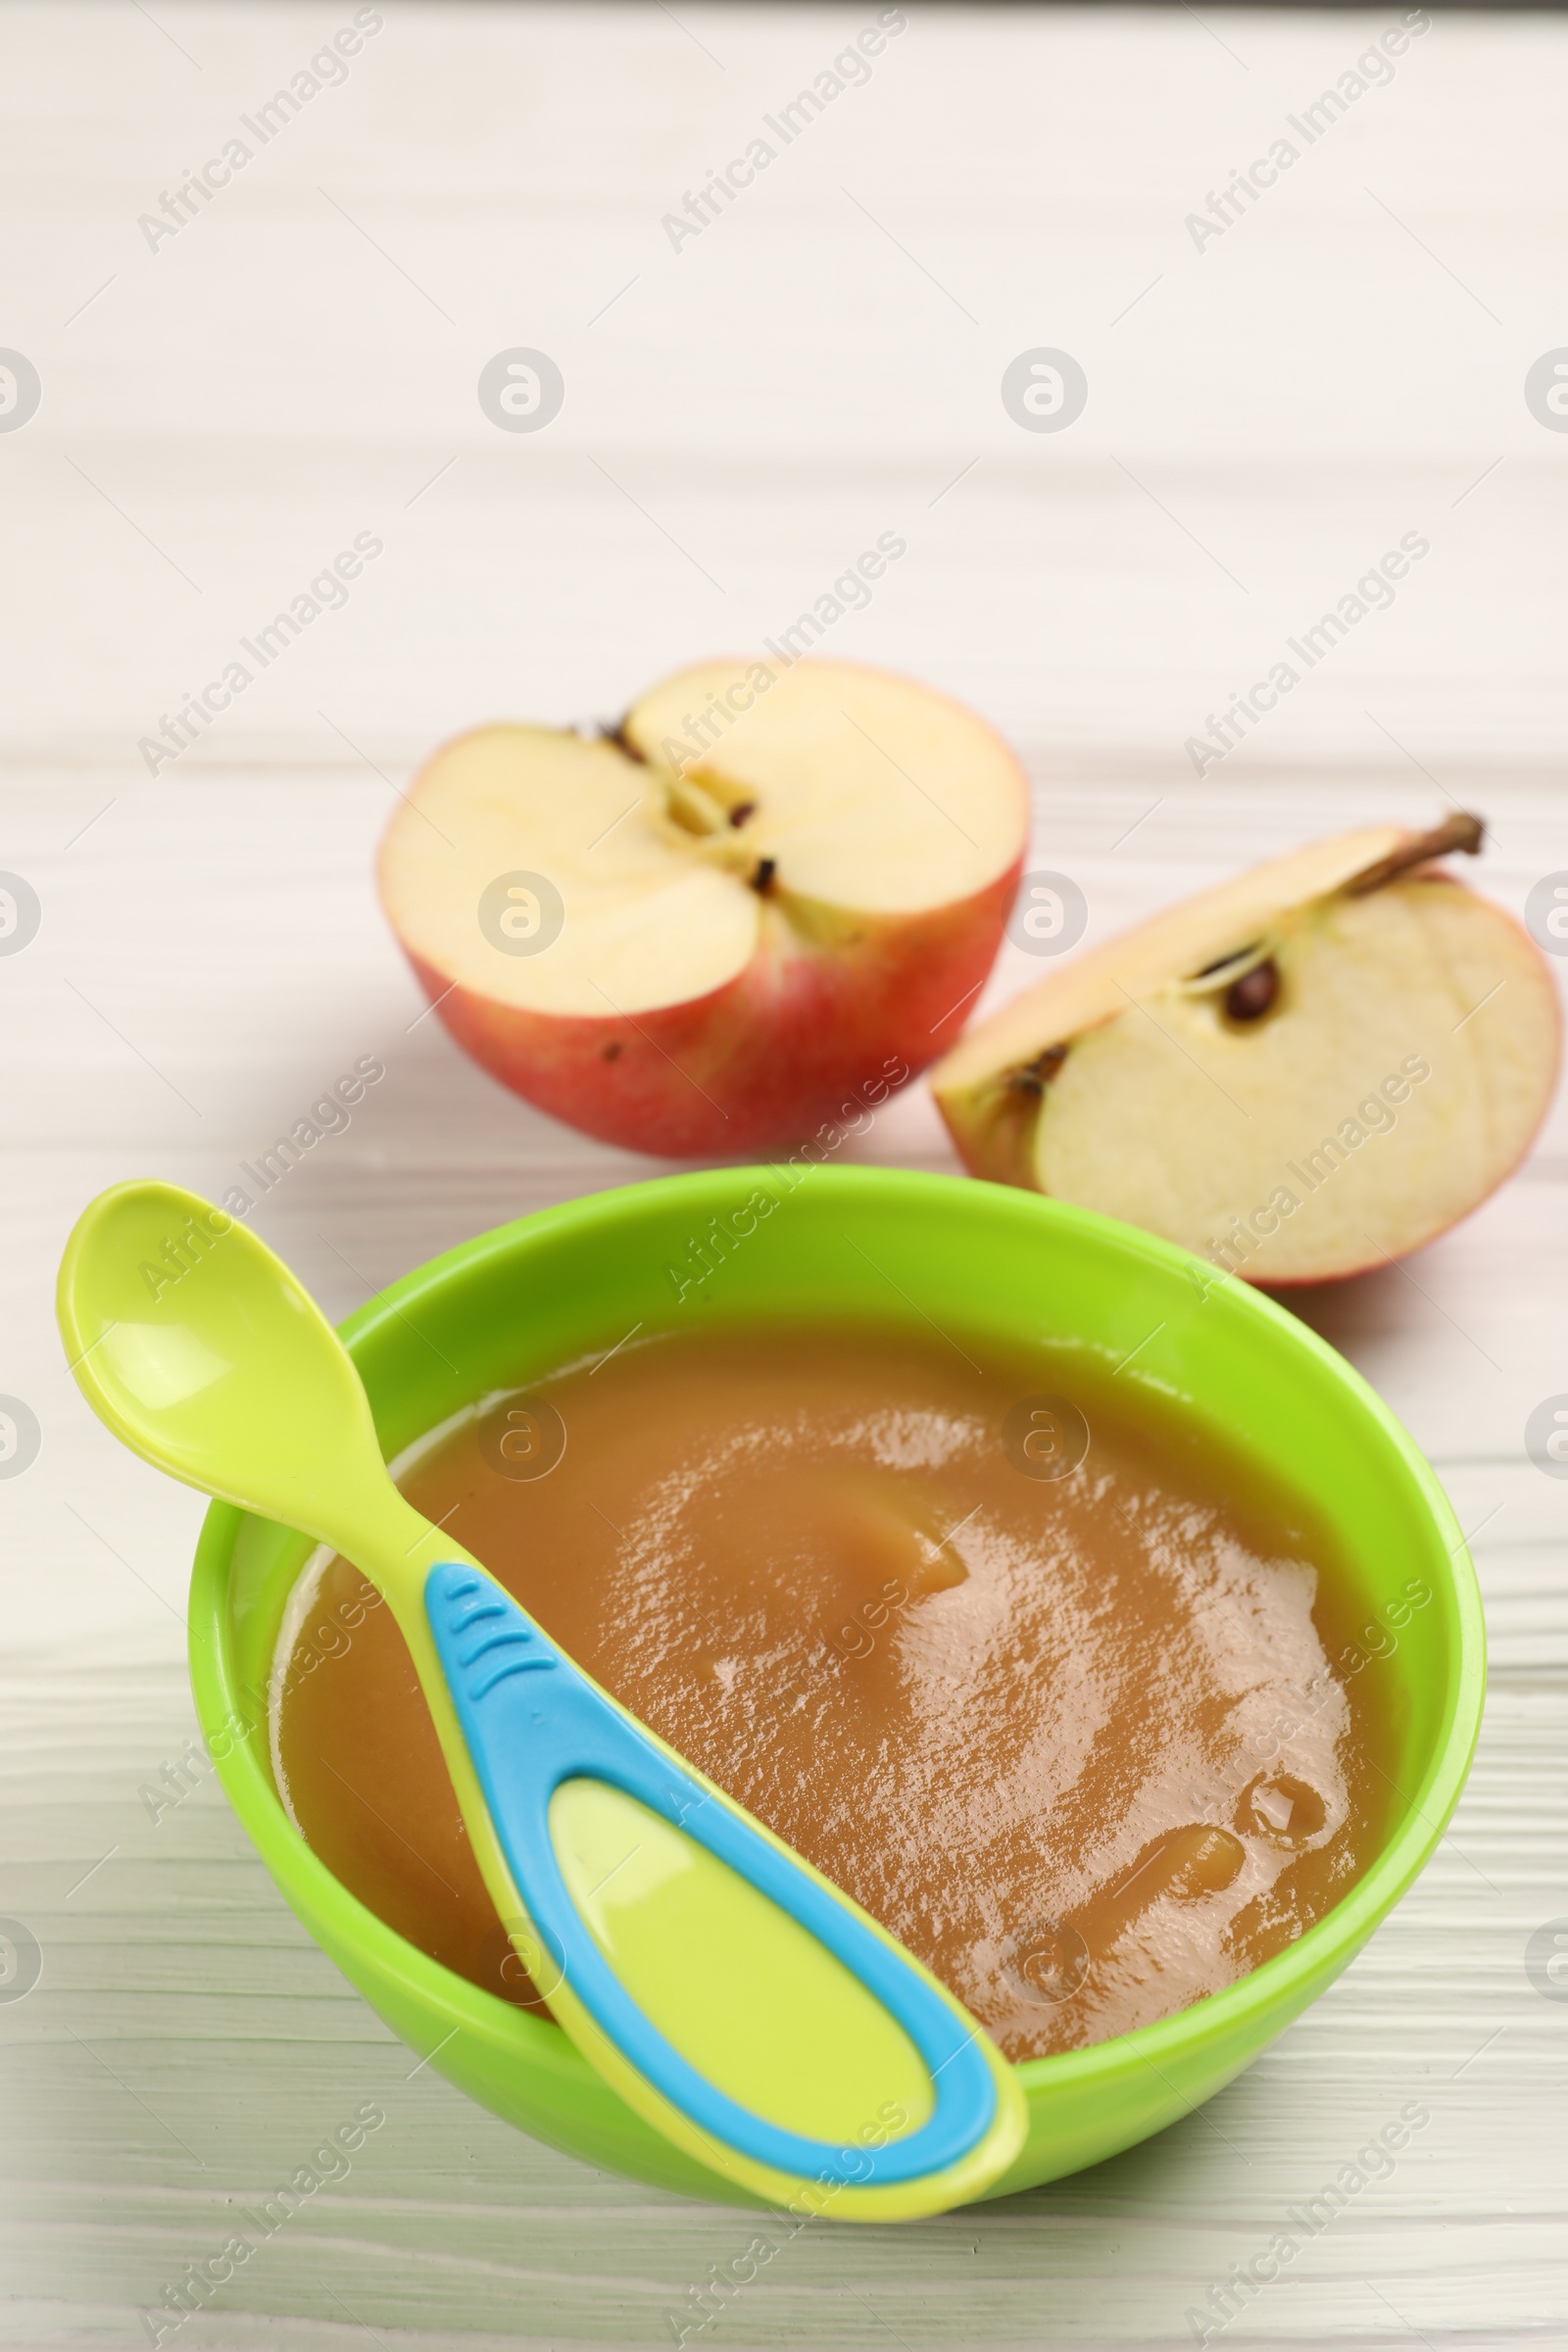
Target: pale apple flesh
{"type": "Point", "coordinates": [1313, 1070]}
{"type": "Point", "coordinates": [774, 889]}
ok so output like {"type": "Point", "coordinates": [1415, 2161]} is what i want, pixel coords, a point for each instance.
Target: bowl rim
{"type": "Point", "coordinates": [1280, 1986]}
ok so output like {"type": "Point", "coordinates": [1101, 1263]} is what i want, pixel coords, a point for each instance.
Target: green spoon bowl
{"type": "Point", "coordinates": [793, 1245]}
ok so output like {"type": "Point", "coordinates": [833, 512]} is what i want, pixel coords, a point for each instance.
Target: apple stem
{"type": "Point", "coordinates": [1459, 832]}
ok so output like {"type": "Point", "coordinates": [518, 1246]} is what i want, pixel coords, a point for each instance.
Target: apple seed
{"type": "Point", "coordinates": [1034, 1076]}
{"type": "Point", "coordinates": [1250, 998]}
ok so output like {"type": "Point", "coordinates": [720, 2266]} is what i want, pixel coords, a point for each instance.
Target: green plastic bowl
{"type": "Point", "coordinates": [894, 1246]}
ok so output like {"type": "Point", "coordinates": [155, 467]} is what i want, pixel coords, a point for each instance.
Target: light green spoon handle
{"type": "Point", "coordinates": [396, 1546]}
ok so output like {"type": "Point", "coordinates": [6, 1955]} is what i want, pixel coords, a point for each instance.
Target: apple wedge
{"type": "Point", "coordinates": [703, 934]}
{"type": "Point", "coordinates": [1312, 1070]}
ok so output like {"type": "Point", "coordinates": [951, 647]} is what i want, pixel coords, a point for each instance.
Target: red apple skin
{"type": "Point", "coordinates": [763, 1062]}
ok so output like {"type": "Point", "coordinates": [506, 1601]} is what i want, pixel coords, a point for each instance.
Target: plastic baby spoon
{"type": "Point", "coordinates": [731, 1994]}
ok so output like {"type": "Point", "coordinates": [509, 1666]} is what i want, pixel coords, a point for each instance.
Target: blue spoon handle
{"type": "Point", "coordinates": [532, 1721]}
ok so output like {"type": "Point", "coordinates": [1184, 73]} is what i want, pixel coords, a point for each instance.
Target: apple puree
{"type": "Point", "coordinates": [1067, 1726]}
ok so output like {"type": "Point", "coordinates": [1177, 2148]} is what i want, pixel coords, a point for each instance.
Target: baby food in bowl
{"type": "Point", "coordinates": [1045, 1676]}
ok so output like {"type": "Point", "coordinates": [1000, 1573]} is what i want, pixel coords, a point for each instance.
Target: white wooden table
{"type": "Point", "coordinates": [223, 410]}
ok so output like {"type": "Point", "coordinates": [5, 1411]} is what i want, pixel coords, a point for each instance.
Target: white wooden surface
{"type": "Point", "coordinates": [219, 416]}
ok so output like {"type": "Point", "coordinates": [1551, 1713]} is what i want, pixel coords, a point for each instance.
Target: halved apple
{"type": "Point", "coordinates": [1307, 1071]}
{"type": "Point", "coordinates": [771, 888]}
